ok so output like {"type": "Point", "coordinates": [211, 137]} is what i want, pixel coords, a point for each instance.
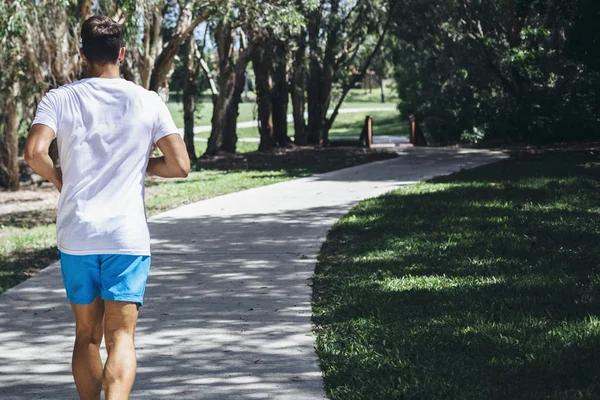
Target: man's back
{"type": "Point", "coordinates": [105, 129]}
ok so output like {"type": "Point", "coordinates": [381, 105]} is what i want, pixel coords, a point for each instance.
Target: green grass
{"type": "Point", "coordinates": [24, 251]}
{"type": "Point", "coordinates": [480, 285]}
{"type": "Point", "coordinates": [384, 123]}
{"type": "Point", "coordinates": [28, 240]}
{"type": "Point", "coordinates": [357, 98]}
{"type": "Point", "coordinates": [373, 96]}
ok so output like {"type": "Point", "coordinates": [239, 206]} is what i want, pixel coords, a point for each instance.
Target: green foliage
{"type": "Point", "coordinates": [584, 38]}
{"type": "Point", "coordinates": [282, 17]}
{"type": "Point", "coordinates": [177, 81]}
{"type": "Point", "coordinates": [517, 70]}
{"type": "Point", "coordinates": [480, 285]}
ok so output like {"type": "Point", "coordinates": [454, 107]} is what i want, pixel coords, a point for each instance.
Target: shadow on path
{"type": "Point", "coordinates": [227, 312]}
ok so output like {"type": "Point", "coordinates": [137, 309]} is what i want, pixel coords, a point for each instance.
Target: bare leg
{"type": "Point", "coordinates": [119, 328]}
{"type": "Point", "coordinates": [87, 364]}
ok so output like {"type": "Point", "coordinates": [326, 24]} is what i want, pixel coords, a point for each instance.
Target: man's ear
{"type": "Point", "coordinates": [83, 56]}
{"type": "Point", "coordinates": [121, 54]}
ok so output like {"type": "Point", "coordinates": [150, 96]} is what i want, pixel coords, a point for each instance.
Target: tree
{"type": "Point", "coordinates": [12, 26]}
{"type": "Point", "coordinates": [187, 21]}
{"type": "Point", "coordinates": [270, 60]}
{"type": "Point", "coordinates": [35, 54]}
{"type": "Point", "coordinates": [231, 68]}
{"type": "Point", "coordinates": [189, 92]}
{"type": "Point", "coordinates": [471, 70]}
{"type": "Point", "coordinates": [340, 35]}
{"type": "Point", "coordinates": [297, 87]}
{"type": "Point", "coordinates": [239, 28]}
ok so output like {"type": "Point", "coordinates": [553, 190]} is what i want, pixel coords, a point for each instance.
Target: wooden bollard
{"type": "Point", "coordinates": [417, 138]}
{"type": "Point", "coordinates": [366, 136]}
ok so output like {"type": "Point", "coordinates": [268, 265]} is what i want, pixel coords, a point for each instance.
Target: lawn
{"type": "Point", "coordinates": [357, 98]}
{"type": "Point", "coordinates": [28, 240]}
{"type": "Point", "coordinates": [480, 285]}
{"type": "Point", "coordinates": [384, 123]}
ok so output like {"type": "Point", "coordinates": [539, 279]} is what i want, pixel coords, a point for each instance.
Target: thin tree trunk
{"type": "Point", "coordinates": [357, 78]}
{"type": "Point", "coordinates": [12, 145]}
{"type": "Point", "coordinates": [152, 41]}
{"type": "Point", "coordinates": [164, 62]}
{"type": "Point", "coordinates": [189, 92]}
{"type": "Point", "coordinates": [211, 82]}
{"type": "Point", "coordinates": [297, 89]}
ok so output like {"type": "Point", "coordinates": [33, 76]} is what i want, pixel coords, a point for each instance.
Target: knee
{"type": "Point", "coordinates": [87, 337]}
{"type": "Point", "coordinates": [117, 336]}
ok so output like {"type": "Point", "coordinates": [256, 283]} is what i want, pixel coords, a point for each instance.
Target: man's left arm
{"type": "Point", "coordinates": [36, 154]}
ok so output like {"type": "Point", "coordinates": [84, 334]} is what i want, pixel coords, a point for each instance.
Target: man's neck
{"type": "Point", "coordinates": [109, 71]}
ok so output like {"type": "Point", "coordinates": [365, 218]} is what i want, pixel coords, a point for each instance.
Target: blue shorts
{"type": "Point", "coordinates": [117, 277]}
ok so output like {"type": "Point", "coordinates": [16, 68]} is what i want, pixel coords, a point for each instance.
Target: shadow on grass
{"type": "Point", "coordinates": [227, 313]}
{"type": "Point", "coordinates": [20, 265]}
{"type": "Point", "coordinates": [482, 284]}
{"type": "Point", "coordinates": [298, 161]}
{"type": "Point", "coordinates": [28, 219]}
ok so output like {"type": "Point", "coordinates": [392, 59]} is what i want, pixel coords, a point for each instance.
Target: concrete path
{"type": "Point", "coordinates": [227, 312]}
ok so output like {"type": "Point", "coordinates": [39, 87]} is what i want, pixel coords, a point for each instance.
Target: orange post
{"type": "Point", "coordinates": [366, 136]}
{"type": "Point", "coordinates": [369, 131]}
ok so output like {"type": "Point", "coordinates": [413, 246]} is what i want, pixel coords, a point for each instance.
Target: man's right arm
{"type": "Point", "coordinates": [175, 163]}
{"type": "Point", "coordinates": [36, 154]}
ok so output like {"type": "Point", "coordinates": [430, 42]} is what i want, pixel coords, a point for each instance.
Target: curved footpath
{"type": "Point", "coordinates": [227, 312]}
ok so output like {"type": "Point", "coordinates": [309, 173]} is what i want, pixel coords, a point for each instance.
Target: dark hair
{"type": "Point", "coordinates": [101, 40]}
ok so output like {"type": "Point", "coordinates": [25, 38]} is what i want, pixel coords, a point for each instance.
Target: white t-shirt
{"type": "Point", "coordinates": [105, 129]}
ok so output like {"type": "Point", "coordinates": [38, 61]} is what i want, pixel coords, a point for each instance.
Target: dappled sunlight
{"type": "Point", "coordinates": [452, 288]}
{"type": "Point", "coordinates": [227, 311]}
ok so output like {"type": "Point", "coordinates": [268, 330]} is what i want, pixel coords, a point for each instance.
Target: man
{"type": "Point", "coordinates": [105, 127]}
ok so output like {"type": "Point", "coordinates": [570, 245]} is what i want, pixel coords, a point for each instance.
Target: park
{"type": "Point", "coordinates": [388, 199]}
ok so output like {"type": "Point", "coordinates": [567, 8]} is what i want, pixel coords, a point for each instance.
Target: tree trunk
{"type": "Point", "coordinates": [320, 76]}
{"type": "Point", "coordinates": [270, 70]}
{"type": "Point", "coordinates": [189, 92]}
{"type": "Point", "coordinates": [230, 133]}
{"type": "Point", "coordinates": [280, 95]}
{"type": "Point", "coordinates": [152, 40]}
{"type": "Point", "coordinates": [211, 82]}
{"type": "Point", "coordinates": [357, 78]}
{"type": "Point", "coordinates": [318, 94]}
{"type": "Point", "coordinates": [261, 61]}
{"type": "Point", "coordinates": [164, 62]}
{"type": "Point", "coordinates": [297, 89]}
{"type": "Point", "coordinates": [231, 84]}
{"type": "Point", "coordinates": [12, 145]}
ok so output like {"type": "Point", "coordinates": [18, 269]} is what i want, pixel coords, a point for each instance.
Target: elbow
{"type": "Point", "coordinates": [30, 156]}
{"type": "Point", "coordinates": [184, 170]}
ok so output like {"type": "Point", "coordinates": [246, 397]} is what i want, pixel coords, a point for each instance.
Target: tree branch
{"type": "Point", "coordinates": [359, 77]}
